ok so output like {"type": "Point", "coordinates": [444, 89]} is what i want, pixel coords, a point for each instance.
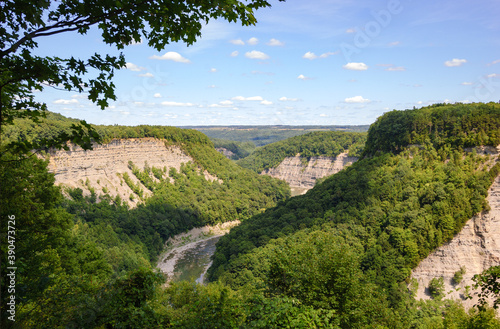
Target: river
{"type": "Point", "coordinates": [187, 255]}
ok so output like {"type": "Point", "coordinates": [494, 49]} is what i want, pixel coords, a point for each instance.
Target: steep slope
{"type": "Point", "coordinates": [103, 167]}
{"type": "Point", "coordinates": [474, 249]}
{"type": "Point", "coordinates": [300, 175]}
{"type": "Point", "coordinates": [399, 203]}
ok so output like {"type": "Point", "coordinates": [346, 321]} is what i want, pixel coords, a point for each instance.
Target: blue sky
{"type": "Point", "coordinates": [327, 62]}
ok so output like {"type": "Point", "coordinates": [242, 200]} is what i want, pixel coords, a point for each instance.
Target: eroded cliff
{"type": "Point", "coordinates": [474, 249]}
{"type": "Point", "coordinates": [103, 167]}
{"type": "Point", "coordinates": [304, 175]}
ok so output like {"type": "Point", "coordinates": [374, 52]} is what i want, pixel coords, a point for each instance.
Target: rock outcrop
{"type": "Point", "coordinates": [475, 248]}
{"type": "Point", "coordinates": [227, 153]}
{"type": "Point", "coordinates": [103, 167]}
{"type": "Point", "coordinates": [300, 175]}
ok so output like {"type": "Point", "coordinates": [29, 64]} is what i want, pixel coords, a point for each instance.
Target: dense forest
{"type": "Point", "coordinates": [324, 143]}
{"type": "Point", "coordinates": [337, 257]}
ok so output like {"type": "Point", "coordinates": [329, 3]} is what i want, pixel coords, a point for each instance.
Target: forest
{"type": "Point", "coordinates": [337, 257]}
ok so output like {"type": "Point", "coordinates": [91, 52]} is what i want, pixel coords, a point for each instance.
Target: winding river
{"type": "Point", "coordinates": [187, 255]}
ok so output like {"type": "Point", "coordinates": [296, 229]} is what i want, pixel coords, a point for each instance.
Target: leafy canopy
{"type": "Point", "coordinates": [121, 23]}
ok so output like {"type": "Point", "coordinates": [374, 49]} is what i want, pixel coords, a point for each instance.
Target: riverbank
{"type": "Point", "coordinates": [183, 246]}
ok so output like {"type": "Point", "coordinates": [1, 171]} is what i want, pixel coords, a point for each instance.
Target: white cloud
{"type": "Point", "coordinates": [275, 43]}
{"type": "Point", "coordinates": [455, 62]}
{"type": "Point", "coordinates": [494, 62]}
{"type": "Point", "coordinates": [80, 96]}
{"type": "Point", "coordinates": [235, 53]}
{"type": "Point", "coordinates": [133, 67]}
{"type": "Point", "coordinates": [252, 98]}
{"type": "Point", "coordinates": [356, 66]}
{"type": "Point", "coordinates": [66, 101]}
{"type": "Point", "coordinates": [253, 41]}
{"type": "Point", "coordinates": [213, 70]}
{"type": "Point", "coordinates": [238, 42]}
{"type": "Point", "coordinates": [395, 43]}
{"type": "Point", "coordinates": [494, 75]}
{"type": "Point", "coordinates": [310, 55]}
{"type": "Point", "coordinates": [212, 86]}
{"type": "Point", "coordinates": [323, 115]}
{"type": "Point", "coordinates": [395, 68]}
{"type": "Point", "coordinates": [357, 99]}
{"type": "Point", "coordinates": [226, 103]}
{"type": "Point", "coordinates": [265, 102]}
{"type": "Point", "coordinates": [466, 83]}
{"type": "Point", "coordinates": [177, 104]}
{"type": "Point", "coordinates": [157, 95]}
{"type": "Point", "coordinates": [325, 55]}
{"type": "Point", "coordinates": [351, 30]}
{"type": "Point", "coordinates": [303, 77]}
{"type": "Point", "coordinates": [255, 54]}
{"type": "Point", "coordinates": [286, 99]}
{"type": "Point", "coordinates": [171, 56]}
{"type": "Point", "coordinates": [147, 75]}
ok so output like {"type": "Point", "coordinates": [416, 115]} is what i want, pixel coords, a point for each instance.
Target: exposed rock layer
{"type": "Point", "coordinates": [476, 248]}
{"type": "Point", "coordinates": [298, 174]}
{"type": "Point", "coordinates": [102, 168]}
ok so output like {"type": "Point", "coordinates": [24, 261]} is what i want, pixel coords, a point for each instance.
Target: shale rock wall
{"type": "Point", "coordinates": [300, 175]}
{"type": "Point", "coordinates": [103, 167]}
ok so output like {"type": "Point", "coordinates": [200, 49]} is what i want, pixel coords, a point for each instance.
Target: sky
{"type": "Point", "coordinates": [314, 62]}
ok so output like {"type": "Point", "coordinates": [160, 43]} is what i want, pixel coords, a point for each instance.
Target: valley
{"type": "Point", "coordinates": [138, 222]}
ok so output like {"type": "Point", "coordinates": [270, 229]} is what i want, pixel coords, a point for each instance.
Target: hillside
{"type": "Point", "coordinates": [313, 144]}
{"type": "Point", "coordinates": [302, 160]}
{"type": "Point", "coordinates": [171, 172]}
{"type": "Point", "coordinates": [395, 207]}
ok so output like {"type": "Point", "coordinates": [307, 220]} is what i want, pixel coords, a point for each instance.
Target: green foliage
{"type": "Point", "coordinates": [401, 206]}
{"type": "Point", "coordinates": [436, 288]}
{"type": "Point", "coordinates": [489, 282]}
{"type": "Point", "coordinates": [443, 125]}
{"type": "Point", "coordinates": [459, 275]}
{"type": "Point", "coordinates": [326, 143]}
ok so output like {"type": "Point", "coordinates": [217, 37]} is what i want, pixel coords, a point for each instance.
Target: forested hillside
{"type": "Point", "coordinates": [391, 208]}
{"type": "Point", "coordinates": [324, 143]}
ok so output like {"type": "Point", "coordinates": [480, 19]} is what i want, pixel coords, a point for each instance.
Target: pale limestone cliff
{"type": "Point", "coordinates": [300, 175]}
{"type": "Point", "coordinates": [227, 153]}
{"type": "Point", "coordinates": [103, 167]}
{"type": "Point", "coordinates": [475, 248]}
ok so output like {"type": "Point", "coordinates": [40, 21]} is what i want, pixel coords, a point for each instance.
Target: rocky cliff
{"type": "Point", "coordinates": [103, 167]}
{"type": "Point", "coordinates": [475, 248]}
{"type": "Point", "coordinates": [304, 175]}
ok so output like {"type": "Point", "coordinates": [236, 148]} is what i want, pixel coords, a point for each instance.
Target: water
{"type": "Point", "coordinates": [194, 262]}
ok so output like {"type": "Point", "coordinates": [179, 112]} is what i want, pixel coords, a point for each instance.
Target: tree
{"type": "Point", "coordinates": [122, 22]}
{"type": "Point", "coordinates": [489, 282]}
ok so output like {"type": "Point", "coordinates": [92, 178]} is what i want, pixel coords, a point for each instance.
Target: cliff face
{"type": "Point", "coordinates": [475, 248]}
{"type": "Point", "coordinates": [103, 167]}
{"type": "Point", "coordinates": [300, 175]}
